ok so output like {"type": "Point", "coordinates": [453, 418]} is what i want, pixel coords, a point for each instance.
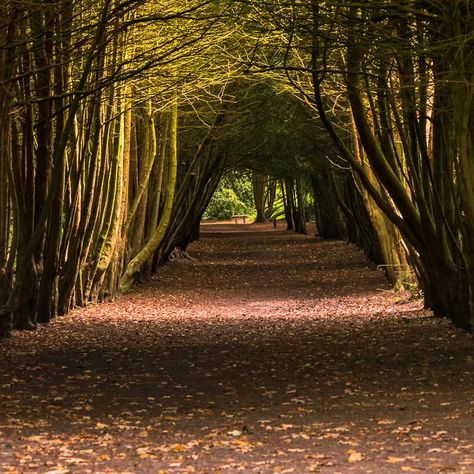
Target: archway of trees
{"type": "Point", "coordinates": [119, 118]}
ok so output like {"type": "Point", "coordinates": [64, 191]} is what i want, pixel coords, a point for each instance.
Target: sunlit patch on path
{"type": "Point", "coordinates": [271, 353]}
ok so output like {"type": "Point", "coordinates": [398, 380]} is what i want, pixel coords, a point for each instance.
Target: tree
{"type": "Point", "coordinates": [233, 196]}
{"type": "Point", "coordinates": [87, 174]}
{"type": "Point", "coordinates": [401, 70]}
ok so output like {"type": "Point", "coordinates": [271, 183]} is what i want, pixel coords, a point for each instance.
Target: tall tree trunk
{"type": "Point", "coordinates": [152, 244]}
{"type": "Point", "coordinates": [258, 183]}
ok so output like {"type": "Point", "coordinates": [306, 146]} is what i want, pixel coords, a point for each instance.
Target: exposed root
{"type": "Point", "coordinates": [178, 254]}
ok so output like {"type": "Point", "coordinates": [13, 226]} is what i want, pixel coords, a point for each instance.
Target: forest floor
{"type": "Point", "coordinates": [271, 353]}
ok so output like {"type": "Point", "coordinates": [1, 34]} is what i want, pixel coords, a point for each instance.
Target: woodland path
{"type": "Point", "coordinates": [273, 353]}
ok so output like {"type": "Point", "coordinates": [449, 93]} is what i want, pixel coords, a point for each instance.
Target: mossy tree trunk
{"type": "Point", "coordinates": [156, 237]}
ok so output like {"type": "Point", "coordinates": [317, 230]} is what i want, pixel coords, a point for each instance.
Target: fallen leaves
{"type": "Point", "coordinates": [386, 422]}
{"type": "Point", "coordinates": [178, 448]}
{"type": "Point", "coordinates": [395, 460]}
{"type": "Point", "coordinates": [354, 456]}
{"type": "Point", "coordinates": [229, 365]}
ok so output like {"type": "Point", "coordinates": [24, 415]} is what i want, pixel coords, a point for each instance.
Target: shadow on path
{"type": "Point", "coordinates": [271, 353]}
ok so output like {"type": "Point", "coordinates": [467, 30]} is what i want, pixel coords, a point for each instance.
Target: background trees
{"type": "Point", "coordinates": [233, 196]}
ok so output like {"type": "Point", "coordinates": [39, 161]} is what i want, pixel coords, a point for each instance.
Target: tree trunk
{"type": "Point", "coordinates": [258, 183]}
{"type": "Point", "coordinates": [146, 253]}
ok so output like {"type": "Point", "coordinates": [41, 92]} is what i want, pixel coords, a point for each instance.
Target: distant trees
{"type": "Point", "coordinates": [232, 197]}
{"type": "Point", "coordinates": [297, 172]}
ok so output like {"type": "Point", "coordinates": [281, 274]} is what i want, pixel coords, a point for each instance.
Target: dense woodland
{"type": "Point", "coordinates": [118, 119]}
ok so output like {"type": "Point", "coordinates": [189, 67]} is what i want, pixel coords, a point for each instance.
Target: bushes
{"type": "Point", "coordinates": [232, 197]}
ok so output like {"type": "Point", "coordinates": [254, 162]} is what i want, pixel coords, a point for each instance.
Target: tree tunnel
{"type": "Point", "coordinates": [119, 119]}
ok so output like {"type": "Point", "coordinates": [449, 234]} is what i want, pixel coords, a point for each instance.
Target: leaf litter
{"type": "Point", "coordinates": [271, 353]}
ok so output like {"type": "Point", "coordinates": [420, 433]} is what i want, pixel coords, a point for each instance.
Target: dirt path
{"type": "Point", "coordinates": [272, 353]}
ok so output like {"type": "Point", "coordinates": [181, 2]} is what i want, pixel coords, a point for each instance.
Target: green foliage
{"type": "Point", "coordinates": [233, 197]}
{"type": "Point", "coordinates": [241, 183]}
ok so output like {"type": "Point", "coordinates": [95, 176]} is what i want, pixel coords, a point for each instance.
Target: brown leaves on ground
{"type": "Point", "coordinates": [273, 353]}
